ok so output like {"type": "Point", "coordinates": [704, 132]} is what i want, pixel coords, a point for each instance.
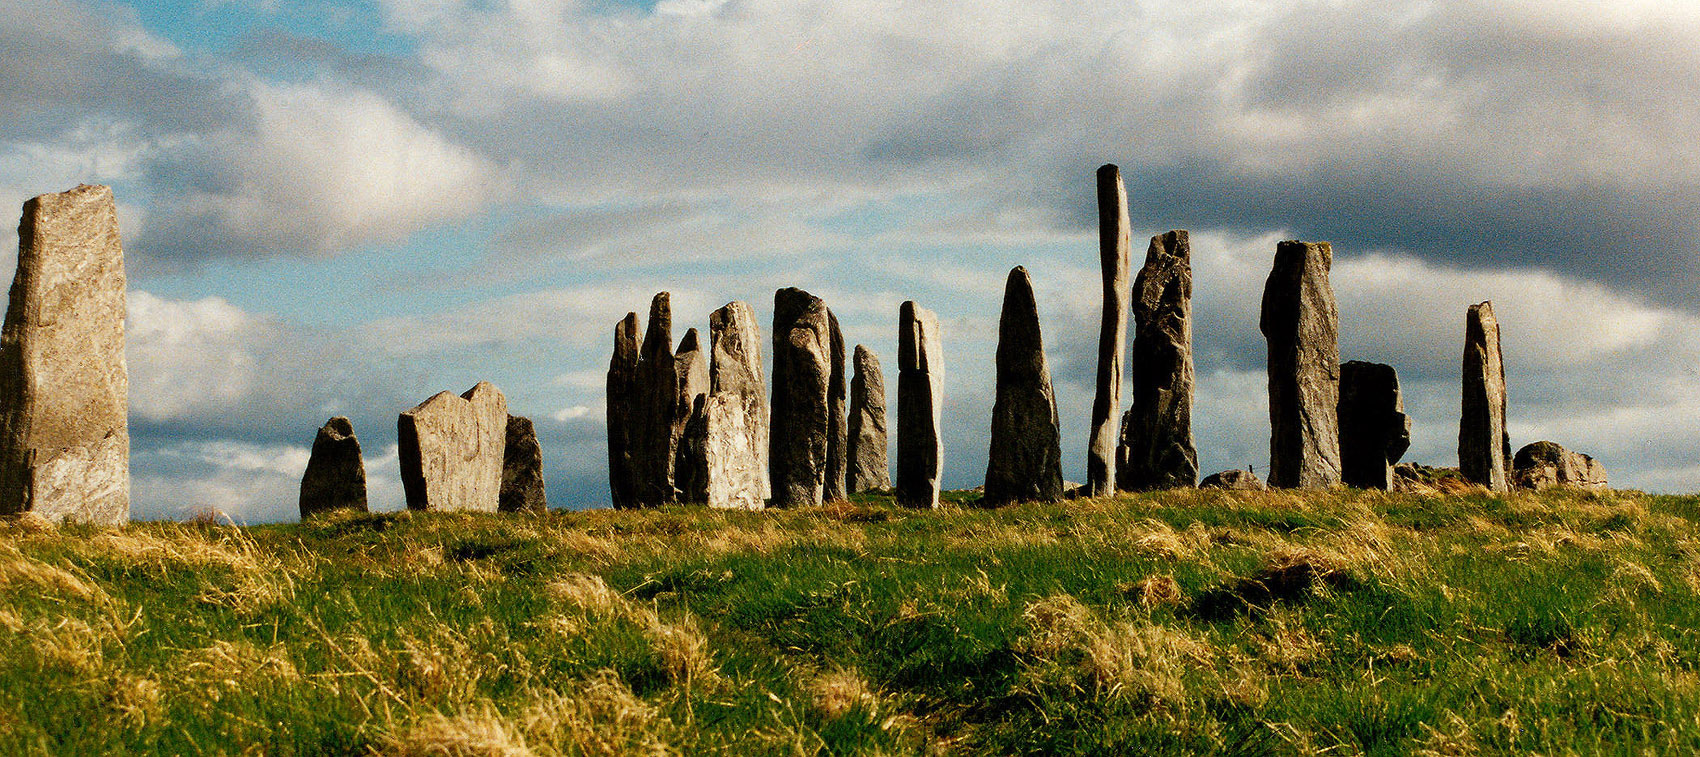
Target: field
{"type": "Point", "coordinates": [1175, 623]}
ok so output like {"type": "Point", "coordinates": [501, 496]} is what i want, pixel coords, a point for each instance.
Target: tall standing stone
{"type": "Point", "coordinates": [736, 435]}
{"type": "Point", "coordinates": [1114, 257]}
{"type": "Point", "coordinates": [336, 474]}
{"type": "Point", "coordinates": [1301, 323]}
{"type": "Point", "coordinates": [452, 450]}
{"type": "Point", "coordinates": [522, 470]}
{"type": "Point", "coordinates": [1484, 447]}
{"type": "Point", "coordinates": [621, 397]}
{"type": "Point", "coordinates": [1374, 430]}
{"type": "Point", "coordinates": [920, 398]}
{"type": "Point", "coordinates": [1025, 464]}
{"type": "Point", "coordinates": [1157, 432]}
{"type": "Point", "coordinates": [802, 413]}
{"type": "Point", "coordinates": [654, 407]}
{"type": "Point", "coordinates": [837, 440]}
{"type": "Point", "coordinates": [64, 386]}
{"type": "Point", "coordinates": [690, 424]}
{"type": "Point", "coordinates": [868, 466]}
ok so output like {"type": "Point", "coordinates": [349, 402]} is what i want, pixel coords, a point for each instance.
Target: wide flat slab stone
{"type": "Point", "coordinates": [452, 450]}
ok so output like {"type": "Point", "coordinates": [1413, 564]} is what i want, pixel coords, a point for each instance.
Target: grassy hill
{"type": "Point", "coordinates": [1185, 623]}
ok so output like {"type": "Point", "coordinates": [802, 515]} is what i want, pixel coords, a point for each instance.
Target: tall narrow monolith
{"type": "Point", "coordinates": [622, 393]}
{"type": "Point", "coordinates": [1025, 462]}
{"type": "Point", "coordinates": [1484, 447]}
{"type": "Point", "coordinates": [802, 413]}
{"type": "Point", "coordinates": [1114, 260]}
{"type": "Point", "coordinates": [920, 397]}
{"type": "Point", "coordinates": [1157, 433]}
{"type": "Point", "coordinates": [838, 433]}
{"type": "Point", "coordinates": [655, 407]}
{"type": "Point", "coordinates": [869, 468]}
{"type": "Point", "coordinates": [1374, 430]}
{"type": "Point", "coordinates": [735, 438]}
{"type": "Point", "coordinates": [335, 478]}
{"type": "Point", "coordinates": [1301, 323]}
{"type": "Point", "coordinates": [690, 463]}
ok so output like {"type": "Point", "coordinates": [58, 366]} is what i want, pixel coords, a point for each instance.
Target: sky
{"type": "Point", "coordinates": [345, 207]}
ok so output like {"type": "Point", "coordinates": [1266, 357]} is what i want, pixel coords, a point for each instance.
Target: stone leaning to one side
{"type": "Point", "coordinates": [621, 390]}
{"type": "Point", "coordinates": [1301, 323]}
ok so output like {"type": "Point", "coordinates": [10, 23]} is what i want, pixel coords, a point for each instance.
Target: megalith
{"type": "Point", "coordinates": [690, 423]}
{"type": "Point", "coordinates": [1025, 464]}
{"type": "Point", "coordinates": [1484, 447]}
{"type": "Point", "coordinates": [838, 432]}
{"type": "Point", "coordinates": [64, 385]}
{"type": "Point", "coordinates": [1233, 480]}
{"type": "Point", "coordinates": [869, 468]}
{"type": "Point", "coordinates": [522, 469]}
{"type": "Point", "coordinates": [1374, 430]}
{"type": "Point", "coordinates": [920, 397]}
{"type": "Point", "coordinates": [735, 438]}
{"type": "Point", "coordinates": [1114, 258]}
{"type": "Point", "coordinates": [622, 414]}
{"type": "Point", "coordinates": [802, 413]}
{"type": "Point", "coordinates": [1544, 465]}
{"type": "Point", "coordinates": [654, 406]}
{"type": "Point", "coordinates": [1301, 323]}
{"type": "Point", "coordinates": [336, 475]}
{"type": "Point", "coordinates": [1158, 429]}
{"type": "Point", "coordinates": [452, 450]}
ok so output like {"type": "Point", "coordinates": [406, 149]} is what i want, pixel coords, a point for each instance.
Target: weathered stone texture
{"type": "Point", "coordinates": [453, 448]}
{"type": "Point", "coordinates": [690, 422]}
{"type": "Point", "coordinates": [1374, 430]}
{"type": "Point", "coordinates": [1025, 461]}
{"type": "Point", "coordinates": [1544, 465]}
{"type": "Point", "coordinates": [1157, 432]}
{"type": "Point", "coordinates": [1484, 447]}
{"type": "Point", "coordinates": [802, 379]}
{"type": "Point", "coordinates": [1301, 323]}
{"type": "Point", "coordinates": [735, 440]}
{"type": "Point", "coordinates": [336, 473]}
{"type": "Point", "coordinates": [920, 397]}
{"type": "Point", "coordinates": [1239, 480]}
{"type": "Point", "coordinates": [837, 440]}
{"type": "Point", "coordinates": [869, 468]}
{"type": "Point", "coordinates": [522, 469]}
{"type": "Point", "coordinates": [655, 406]}
{"type": "Point", "coordinates": [64, 385]}
{"type": "Point", "coordinates": [622, 413]}
{"type": "Point", "coordinates": [1114, 258]}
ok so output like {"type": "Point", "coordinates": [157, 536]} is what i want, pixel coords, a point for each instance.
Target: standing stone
{"type": "Point", "coordinates": [1114, 257]}
{"type": "Point", "coordinates": [1301, 324]}
{"type": "Point", "coordinates": [453, 448]}
{"type": "Point", "coordinates": [920, 397]}
{"type": "Point", "coordinates": [868, 466]}
{"type": "Point", "coordinates": [621, 396]}
{"type": "Point", "coordinates": [1543, 465]}
{"type": "Point", "coordinates": [1025, 464]}
{"type": "Point", "coordinates": [522, 469]}
{"type": "Point", "coordinates": [1484, 447]}
{"type": "Point", "coordinates": [690, 426]}
{"type": "Point", "coordinates": [837, 440]}
{"type": "Point", "coordinates": [1374, 430]}
{"type": "Point", "coordinates": [336, 474]}
{"type": "Point", "coordinates": [735, 438]}
{"type": "Point", "coordinates": [802, 413]}
{"type": "Point", "coordinates": [1158, 429]}
{"type": "Point", "coordinates": [64, 386]}
{"type": "Point", "coordinates": [654, 408]}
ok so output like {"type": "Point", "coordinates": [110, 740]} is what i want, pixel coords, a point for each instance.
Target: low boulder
{"type": "Point", "coordinates": [1238, 480]}
{"type": "Point", "coordinates": [1544, 465]}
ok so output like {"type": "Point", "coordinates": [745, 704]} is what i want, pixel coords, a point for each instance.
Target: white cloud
{"type": "Point", "coordinates": [191, 358]}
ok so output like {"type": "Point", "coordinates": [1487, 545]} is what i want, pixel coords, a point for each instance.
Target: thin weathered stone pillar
{"type": "Point", "coordinates": [64, 385]}
{"type": "Point", "coordinates": [622, 395]}
{"type": "Point", "coordinates": [522, 469]}
{"type": "Point", "coordinates": [1484, 447]}
{"type": "Point", "coordinates": [1301, 323]}
{"type": "Point", "coordinates": [1374, 430]}
{"type": "Point", "coordinates": [1025, 464]}
{"type": "Point", "coordinates": [837, 440]}
{"type": "Point", "coordinates": [736, 435]}
{"type": "Point", "coordinates": [452, 450]}
{"type": "Point", "coordinates": [654, 408]}
{"type": "Point", "coordinates": [920, 396]}
{"type": "Point", "coordinates": [868, 466]}
{"type": "Point", "coordinates": [802, 378]}
{"type": "Point", "coordinates": [690, 464]}
{"type": "Point", "coordinates": [336, 475]}
{"type": "Point", "coordinates": [1114, 259]}
{"type": "Point", "coordinates": [1157, 433]}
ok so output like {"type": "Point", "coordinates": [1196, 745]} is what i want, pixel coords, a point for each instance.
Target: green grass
{"type": "Point", "coordinates": [1172, 623]}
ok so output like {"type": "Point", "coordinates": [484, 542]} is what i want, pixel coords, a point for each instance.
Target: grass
{"type": "Point", "coordinates": [1187, 622]}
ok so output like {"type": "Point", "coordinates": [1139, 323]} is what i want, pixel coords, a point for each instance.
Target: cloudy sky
{"type": "Point", "coordinates": [343, 207]}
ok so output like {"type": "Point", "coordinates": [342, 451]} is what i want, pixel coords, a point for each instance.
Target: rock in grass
{"type": "Point", "coordinates": [688, 434]}
{"type": "Point", "coordinates": [920, 397]}
{"type": "Point", "coordinates": [802, 413]}
{"type": "Point", "coordinates": [622, 392]}
{"type": "Point", "coordinates": [735, 440]}
{"type": "Point", "coordinates": [1025, 462]}
{"type": "Point", "coordinates": [1157, 431]}
{"type": "Point", "coordinates": [452, 450]}
{"type": "Point", "coordinates": [837, 439]}
{"type": "Point", "coordinates": [655, 406]}
{"type": "Point", "coordinates": [1114, 251]}
{"type": "Point", "coordinates": [869, 468]}
{"type": "Point", "coordinates": [1374, 430]}
{"type": "Point", "coordinates": [522, 469]}
{"type": "Point", "coordinates": [1544, 465]}
{"type": "Point", "coordinates": [64, 384]}
{"type": "Point", "coordinates": [1239, 480]}
{"type": "Point", "coordinates": [336, 475]}
{"type": "Point", "coordinates": [1484, 447]}
{"type": "Point", "coordinates": [1301, 323]}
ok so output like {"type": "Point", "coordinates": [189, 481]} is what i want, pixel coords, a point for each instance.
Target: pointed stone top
{"type": "Point", "coordinates": [481, 390]}
{"type": "Point", "coordinates": [690, 343]}
{"type": "Point", "coordinates": [338, 428]}
{"type": "Point", "coordinates": [865, 357]}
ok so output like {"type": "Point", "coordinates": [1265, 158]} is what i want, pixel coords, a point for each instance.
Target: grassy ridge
{"type": "Point", "coordinates": [1184, 623]}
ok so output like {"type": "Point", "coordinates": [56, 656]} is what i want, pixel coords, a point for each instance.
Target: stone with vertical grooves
{"type": "Point", "coordinates": [1025, 461]}
{"type": "Point", "coordinates": [920, 398]}
{"type": "Point", "coordinates": [654, 406]}
{"type": "Point", "coordinates": [1484, 447]}
{"type": "Point", "coordinates": [336, 475]}
{"type": "Point", "coordinates": [522, 470]}
{"type": "Point", "coordinates": [837, 440]}
{"type": "Point", "coordinates": [1301, 323]}
{"type": "Point", "coordinates": [452, 450]}
{"type": "Point", "coordinates": [1114, 259]}
{"type": "Point", "coordinates": [1157, 434]}
{"type": "Point", "coordinates": [802, 413]}
{"type": "Point", "coordinates": [690, 423]}
{"type": "Point", "coordinates": [621, 398]}
{"type": "Point", "coordinates": [64, 384]}
{"type": "Point", "coordinates": [869, 468]}
{"type": "Point", "coordinates": [735, 440]}
{"type": "Point", "coordinates": [1374, 430]}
